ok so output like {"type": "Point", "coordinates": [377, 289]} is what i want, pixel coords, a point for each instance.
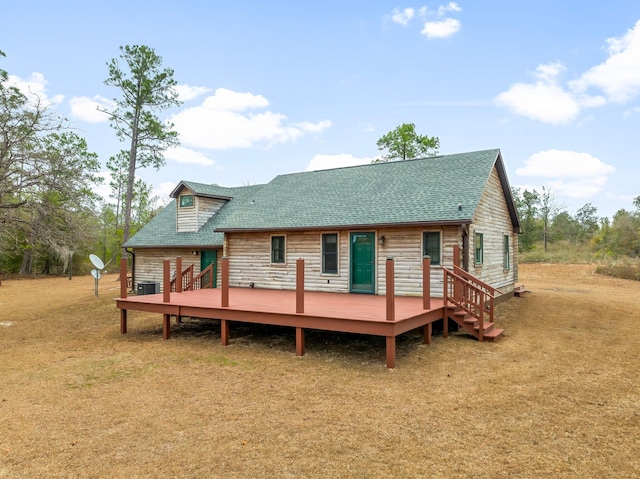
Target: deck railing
{"type": "Point", "coordinates": [187, 279]}
{"type": "Point", "coordinates": [476, 282]}
{"type": "Point", "coordinates": [470, 296]}
{"type": "Point", "coordinates": [204, 279]}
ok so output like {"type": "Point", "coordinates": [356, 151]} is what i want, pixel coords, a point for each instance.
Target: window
{"type": "Point", "coordinates": [505, 252]}
{"type": "Point", "coordinates": [186, 201]}
{"type": "Point", "coordinates": [330, 253]}
{"type": "Point", "coordinates": [479, 249]}
{"type": "Point", "coordinates": [431, 246]}
{"type": "Point", "coordinates": [277, 249]}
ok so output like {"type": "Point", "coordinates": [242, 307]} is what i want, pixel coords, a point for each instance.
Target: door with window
{"type": "Point", "coordinates": [362, 264]}
{"type": "Point", "coordinates": [208, 257]}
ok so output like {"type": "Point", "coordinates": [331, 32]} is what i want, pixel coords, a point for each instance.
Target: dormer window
{"type": "Point", "coordinates": [186, 201]}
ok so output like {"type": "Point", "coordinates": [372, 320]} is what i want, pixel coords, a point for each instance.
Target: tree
{"type": "Point", "coordinates": [146, 90]}
{"type": "Point", "coordinates": [587, 220]}
{"type": "Point", "coordinates": [527, 204]}
{"type": "Point", "coordinates": [548, 209]}
{"type": "Point", "coordinates": [404, 143]}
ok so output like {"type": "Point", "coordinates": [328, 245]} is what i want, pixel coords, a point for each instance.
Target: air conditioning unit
{"type": "Point", "coordinates": [148, 287]}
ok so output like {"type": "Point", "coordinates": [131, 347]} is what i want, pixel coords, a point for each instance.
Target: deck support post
{"type": "Point", "coordinates": [390, 287]}
{"type": "Point", "coordinates": [299, 342]}
{"type": "Point", "coordinates": [166, 326]}
{"type": "Point", "coordinates": [224, 332]}
{"type": "Point", "coordinates": [456, 255]}
{"type": "Point", "coordinates": [123, 321]}
{"type": "Point", "coordinates": [225, 282]}
{"type": "Point", "coordinates": [166, 286]}
{"type": "Point", "coordinates": [426, 282]}
{"type": "Point", "coordinates": [179, 274]}
{"type": "Point", "coordinates": [391, 352]}
{"type": "Point", "coordinates": [426, 332]}
{"type": "Point", "coordinates": [300, 285]}
{"type": "Point", "coordinates": [123, 277]}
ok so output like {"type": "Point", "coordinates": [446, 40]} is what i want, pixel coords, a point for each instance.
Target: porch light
{"type": "Point", "coordinates": [195, 253]}
{"type": "Point", "coordinates": [381, 240]}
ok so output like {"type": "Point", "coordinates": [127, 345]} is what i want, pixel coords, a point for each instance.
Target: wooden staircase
{"type": "Point", "coordinates": [471, 304]}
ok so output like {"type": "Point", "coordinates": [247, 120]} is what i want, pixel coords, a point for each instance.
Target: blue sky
{"type": "Point", "coordinates": [284, 86]}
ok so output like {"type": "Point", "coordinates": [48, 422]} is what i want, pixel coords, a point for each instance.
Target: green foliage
{"type": "Point", "coordinates": [46, 204]}
{"type": "Point", "coordinates": [626, 270]}
{"type": "Point", "coordinates": [404, 143]}
{"type": "Point", "coordinates": [146, 90]}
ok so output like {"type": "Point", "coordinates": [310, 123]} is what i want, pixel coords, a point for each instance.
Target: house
{"type": "Point", "coordinates": [344, 223]}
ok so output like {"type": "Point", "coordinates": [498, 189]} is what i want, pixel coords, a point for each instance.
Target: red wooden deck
{"type": "Point", "coordinates": [352, 313]}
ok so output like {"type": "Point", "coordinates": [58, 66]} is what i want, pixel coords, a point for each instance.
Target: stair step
{"type": "Point", "coordinates": [487, 327]}
{"type": "Point", "coordinates": [520, 291]}
{"type": "Point", "coordinates": [493, 335]}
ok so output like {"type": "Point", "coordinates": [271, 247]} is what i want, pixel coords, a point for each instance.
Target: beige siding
{"type": "Point", "coordinates": [250, 260]}
{"type": "Point", "coordinates": [150, 263]}
{"type": "Point", "coordinates": [493, 221]}
{"type": "Point", "coordinates": [191, 219]}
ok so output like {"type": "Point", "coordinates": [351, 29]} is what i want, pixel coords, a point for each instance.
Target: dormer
{"type": "Point", "coordinates": [196, 204]}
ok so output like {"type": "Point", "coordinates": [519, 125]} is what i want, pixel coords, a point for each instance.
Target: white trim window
{"type": "Point", "coordinates": [432, 246]}
{"type": "Point", "coordinates": [278, 249]}
{"type": "Point", "coordinates": [330, 253]}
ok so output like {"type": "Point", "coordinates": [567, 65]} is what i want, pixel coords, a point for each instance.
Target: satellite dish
{"type": "Point", "coordinates": [95, 273]}
{"type": "Point", "coordinates": [96, 261]}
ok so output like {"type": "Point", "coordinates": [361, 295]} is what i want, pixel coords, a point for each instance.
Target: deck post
{"type": "Point", "coordinates": [390, 287]}
{"type": "Point", "coordinates": [225, 282]}
{"type": "Point", "coordinates": [166, 286]}
{"type": "Point", "coordinates": [445, 299]}
{"type": "Point", "coordinates": [456, 255]}
{"type": "Point", "coordinates": [123, 277]}
{"type": "Point", "coordinates": [426, 333]}
{"type": "Point", "coordinates": [299, 342]}
{"type": "Point", "coordinates": [179, 274]}
{"type": "Point", "coordinates": [391, 352]}
{"type": "Point", "coordinates": [426, 282]}
{"type": "Point", "coordinates": [224, 332]}
{"type": "Point", "coordinates": [300, 285]}
{"type": "Point", "coordinates": [123, 321]}
{"type": "Point", "coordinates": [166, 326]}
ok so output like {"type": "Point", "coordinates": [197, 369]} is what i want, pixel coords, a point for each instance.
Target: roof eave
{"type": "Point", "coordinates": [425, 224]}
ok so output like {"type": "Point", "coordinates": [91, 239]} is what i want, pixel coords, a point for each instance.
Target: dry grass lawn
{"type": "Point", "coordinates": [558, 396]}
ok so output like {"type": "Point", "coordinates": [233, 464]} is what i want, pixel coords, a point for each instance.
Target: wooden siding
{"type": "Point", "coordinates": [250, 260]}
{"type": "Point", "coordinates": [191, 219]}
{"type": "Point", "coordinates": [493, 221]}
{"type": "Point", "coordinates": [150, 263]}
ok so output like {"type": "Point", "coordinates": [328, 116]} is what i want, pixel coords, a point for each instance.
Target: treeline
{"type": "Point", "coordinates": [544, 221]}
{"type": "Point", "coordinates": [51, 217]}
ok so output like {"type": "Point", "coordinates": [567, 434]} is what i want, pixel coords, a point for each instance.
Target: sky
{"type": "Point", "coordinates": [285, 86]}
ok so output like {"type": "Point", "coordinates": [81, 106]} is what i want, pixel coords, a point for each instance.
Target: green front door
{"type": "Point", "coordinates": [208, 257]}
{"type": "Point", "coordinates": [362, 268]}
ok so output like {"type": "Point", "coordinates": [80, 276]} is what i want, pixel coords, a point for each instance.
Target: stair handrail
{"type": "Point", "coordinates": [207, 274]}
{"type": "Point", "coordinates": [468, 296]}
{"type": "Point", "coordinates": [187, 279]}
{"type": "Point", "coordinates": [471, 278]}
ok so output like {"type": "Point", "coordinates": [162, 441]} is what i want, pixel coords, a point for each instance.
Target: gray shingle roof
{"type": "Point", "coordinates": [421, 191]}
{"type": "Point", "coordinates": [405, 192]}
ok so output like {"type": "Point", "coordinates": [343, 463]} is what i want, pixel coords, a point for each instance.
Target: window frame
{"type": "Point", "coordinates": [478, 258]}
{"type": "Point", "coordinates": [283, 249]}
{"type": "Point", "coordinates": [323, 254]}
{"type": "Point", "coordinates": [425, 253]}
{"type": "Point", "coordinates": [506, 260]}
{"type": "Point", "coordinates": [181, 202]}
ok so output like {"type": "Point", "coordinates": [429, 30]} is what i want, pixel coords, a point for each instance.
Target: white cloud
{"type": "Point", "coordinates": [34, 88]}
{"type": "Point", "coordinates": [568, 173]}
{"type": "Point", "coordinates": [619, 75]}
{"type": "Point", "coordinates": [189, 92]}
{"type": "Point", "coordinates": [548, 101]}
{"type": "Point", "coordinates": [86, 109]}
{"type": "Point", "coordinates": [450, 7]}
{"type": "Point", "coordinates": [221, 122]}
{"type": "Point", "coordinates": [162, 192]}
{"type": "Point", "coordinates": [402, 17]}
{"type": "Point", "coordinates": [185, 155]}
{"type": "Point", "coordinates": [441, 29]}
{"type": "Point", "coordinates": [326, 162]}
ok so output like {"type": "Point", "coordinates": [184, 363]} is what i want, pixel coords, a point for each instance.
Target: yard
{"type": "Point", "coordinates": [558, 396]}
